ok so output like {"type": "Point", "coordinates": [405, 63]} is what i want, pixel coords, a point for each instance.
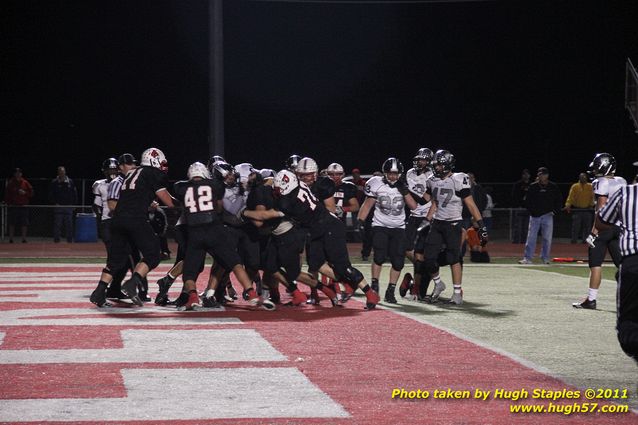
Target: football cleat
{"type": "Point", "coordinates": [98, 297]}
{"type": "Point", "coordinates": [298, 297]}
{"type": "Point", "coordinates": [115, 292]}
{"type": "Point", "coordinates": [375, 285]}
{"type": "Point", "coordinates": [179, 301]}
{"type": "Point", "coordinates": [406, 284]}
{"type": "Point", "coordinates": [230, 291]}
{"type": "Point", "coordinates": [314, 297]}
{"type": "Point", "coordinates": [346, 293]}
{"type": "Point", "coordinates": [162, 300]}
{"type": "Point", "coordinates": [372, 299]}
{"type": "Point", "coordinates": [587, 304]}
{"type": "Point", "coordinates": [275, 297]}
{"type": "Point", "coordinates": [130, 290]}
{"type": "Point", "coordinates": [193, 302]}
{"type": "Point", "coordinates": [208, 299]}
{"type": "Point", "coordinates": [457, 298]}
{"type": "Point", "coordinates": [436, 292]}
{"type": "Point", "coordinates": [389, 297]}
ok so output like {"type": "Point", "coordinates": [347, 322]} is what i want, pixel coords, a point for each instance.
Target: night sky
{"type": "Point", "coordinates": [504, 85]}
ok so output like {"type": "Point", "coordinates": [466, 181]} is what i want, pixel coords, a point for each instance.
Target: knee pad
{"type": "Point", "coordinates": [352, 276]}
{"type": "Point", "coordinates": [431, 266]}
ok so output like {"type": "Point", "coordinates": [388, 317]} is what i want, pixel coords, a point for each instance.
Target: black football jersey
{"type": "Point", "coordinates": [323, 188]}
{"type": "Point", "coordinates": [302, 206]}
{"type": "Point", "coordinates": [263, 195]}
{"type": "Point", "coordinates": [344, 192]}
{"type": "Point", "coordinates": [139, 190]}
{"type": "Point", "coordinates": [200, 198]}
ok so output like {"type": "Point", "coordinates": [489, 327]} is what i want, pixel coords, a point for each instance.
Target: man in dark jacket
{"type": "Point", "coordinates": [63, 194]}
{"type": "Point", "coordinates": [543, 201]}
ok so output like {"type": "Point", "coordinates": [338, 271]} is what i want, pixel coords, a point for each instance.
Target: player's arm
{"type": "Point", "coordinates": [165, 197]}
{"type": "Point", "coordinates": [468, 200]}
{"type": "Point", "coordinates": [353, 205]}
{"type": "Point", "coordinates": [258, 223]}
{"type": "Point", "coordinates": [330, 204]}
{"type": "Point", "coordinates": [365, 208]}
{"type": "Point", "coordinates": [262, 214]}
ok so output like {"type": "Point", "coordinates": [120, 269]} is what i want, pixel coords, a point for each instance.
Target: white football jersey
{"type": "Point", "coordinates": [389, 210]}
{"type": "Point", "coordinates": [234, 200]}
{"type": "Point", "coordinates": [604, 186]}
{"type": "Point", "coordinates": [417, 183]}
{"type": "Point", "coordinates": [445, 192]}
{"type": "Point", "coordinates": [100, 190]}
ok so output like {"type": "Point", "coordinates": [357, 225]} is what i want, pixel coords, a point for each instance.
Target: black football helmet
{"type": "Point", "coordinates": [110, 166]}
{"type": "Point", "coordinates": [292, 161]}
{"type": "Point", "coordinates": [603, 164]}
{"type": "Point", "coordinates": [422, 154]}
{"type": "Point", "coordinates": [221, 170]}
{"type": "Point", "coordinates": [212, 160]}
{"type": "Point", "coordinates": [392, 165]}
{"type": "Point", "coordinates": [443, 163]}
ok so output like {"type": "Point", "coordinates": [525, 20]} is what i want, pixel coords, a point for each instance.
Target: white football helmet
{"type": "Point", "coordinates": [307, 165]}
{"type": "Point", "coordinates": [267, 173]}
{"type": "Point", "coordinates": [197, 169]}
{"type": "Point", "coordinates": [153, 157]}
{"type": "Point", "coordinates": [335, 172]}
{"type": "Point", "coordinates": [285, 182]}
{"type": "Point", "coordinates": [245, 170]}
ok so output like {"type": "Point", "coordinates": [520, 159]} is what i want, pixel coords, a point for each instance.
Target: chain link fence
{"type": "Point", "coordinates": [41, 215]}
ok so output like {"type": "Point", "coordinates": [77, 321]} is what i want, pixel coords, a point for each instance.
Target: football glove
{"type": "Point", "coordinates": [482, 233]}
{"type": "Point", "coordinates": [591, 240]}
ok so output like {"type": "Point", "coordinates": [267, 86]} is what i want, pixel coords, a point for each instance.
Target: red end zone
{"type": "Point", "coordinates": [355, 357]}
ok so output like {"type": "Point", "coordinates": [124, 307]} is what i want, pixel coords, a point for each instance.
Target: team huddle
{"type": "Point", "coordinates": [256, 224]}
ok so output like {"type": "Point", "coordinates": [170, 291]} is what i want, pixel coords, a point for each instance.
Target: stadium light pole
{"type": "Point", "coordinates": [215, 78]}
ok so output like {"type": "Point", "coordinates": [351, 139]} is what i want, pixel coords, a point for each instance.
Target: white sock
{"type": "Point", "coordinates": [170, 275]}
{"type": "Point", "coordinates": [457, 289]}
{"type": "Point", "coordinates": [593, 293]}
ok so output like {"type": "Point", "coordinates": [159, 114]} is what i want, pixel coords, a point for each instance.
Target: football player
{"type": "Point", "coordinates": [202, 200]}
{"type": "Point", "coordinates": [130, 224]}
{"type": "Point", "coordinates": [606, 183]}
{"type": "Point", "coordinates": [416, 179]}
{"type": "Point", "coordinates": [327, 240]}
{"type": "Point", "coordinates": [110, 169]}
{"type": "Point", "coordinates": [449, 191]}
{"type": "Point", "coordinates": [389, 194]}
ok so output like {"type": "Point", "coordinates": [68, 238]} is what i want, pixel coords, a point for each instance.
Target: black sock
{"type": "Point", "coordinates": [391, 287]}
{"type": "Point", "coordinates": [366, 289]}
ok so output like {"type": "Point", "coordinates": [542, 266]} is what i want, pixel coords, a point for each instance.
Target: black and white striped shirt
{"type": "Point", "coordinates": [115, 186]}
{"type": "Point", "coordinates": [622, 209]}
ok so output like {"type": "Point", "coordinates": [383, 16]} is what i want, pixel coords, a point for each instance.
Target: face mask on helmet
{"type": "Point", "coordinates": [392, 170]}
{"type": "Point", "coordinates": [223, 171]}
{"type": "Point", "coordinates": [335, 172]}
{"type": "Point", "coordinates": [442, 163]}
{"type": "Point", "coordinates": [153, 157]}
{"type": "Point", "coordinates": [422, 159]}
{"type": "Point", "coordinates": [603, 164]}
{"type": "Point", "coordinates": [307, 170]}
{"type": "Point", "coordinates": [285, 182]}
{"type": "Point", "coordinates": [246, 172]}
{"type": "Point", "coordinates": [197, 169]}
{"type": "Point", "coordinates": [110, 167]}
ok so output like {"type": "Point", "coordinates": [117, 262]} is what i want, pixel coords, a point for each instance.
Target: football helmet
{"type": "Point", "coordinates": [245, 170]}
{"type": "Point", "coordinates": [392, 165]}
{"type": "Point", "coordinates": [267, 173]}
{"type": "Point", "coordinates": [443, 163]}
{"type": "Point", "coordinates": [153, 157]}
{"type": "Point", "coordinates": [110, 166]}
{"type": "Point", "coordinates": [307, 170]}
{"type": "Point", "coordinates": [221, 170]}
{"type": "Point", "coordinates": [603, 164]}
{"type": "Point", "coordinates": [285, 182]}
{"type": "Point", "coordinates": [291, 163]}
{"type": "Point", "coordinates": [422, 159]}
{"type": "Point", "coordinates": [197, 169]}
{"type": "Point", "coordinates": [335, 172]}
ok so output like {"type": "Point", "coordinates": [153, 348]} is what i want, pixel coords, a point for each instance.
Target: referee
{"type": "Point", "coordinates": [622, 207]}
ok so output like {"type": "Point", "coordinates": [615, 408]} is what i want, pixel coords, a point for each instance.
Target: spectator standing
{"type": "Point", "coordinates": [520, 221]}
{"type": "Point", "coordinates": [487, 212]}
{"type": "Point", "coordinates": [62, 194]}
{"type": "Point", "coordinates": [543, 201]}
{"type": "Point", "coordinates": [580, 204]}
{"type": "Point", "coordinates": [19, 192]}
